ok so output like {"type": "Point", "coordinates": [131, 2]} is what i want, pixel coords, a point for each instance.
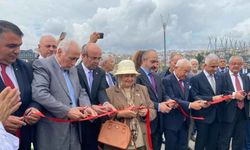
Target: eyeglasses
{"type": "Point", "coordinates": [49, 46]}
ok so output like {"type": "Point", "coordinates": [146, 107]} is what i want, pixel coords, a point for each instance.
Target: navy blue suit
{"type": "Point", "coordinates": [23, 73]}
{"type": "Point", "coordinates": [207, 129]}
{"type": "Point", "coordinates": [97, 95]}
{"type": "Point", "coordinates": [176, 129]}
{"type": "Point", "coordinates": [157, 97]}
{"type": "Point", "coordinates": [234, 119]}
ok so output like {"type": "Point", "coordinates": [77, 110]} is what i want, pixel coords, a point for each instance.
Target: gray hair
{"type": "Point", "coordinates": [145, 53]}
{"type": "Point", "coordinates": [84, 49]}
{"type": "Point", "coordinates": [106, 57]}
{"type": "Point", "coordinates": [183, 62]}
{"type": "Point", "coordinates": [65, 43]}
{"type": "Point", "coordinates": [211, 57]}
{"type": "Point", "coordinates": [6, 26]}
{"type": "Point", "coordinates": [194, 60]}
{"type": "Point", "coordinates": [232, 57]}
{"type": "Point", "coordinates": [173, 54]}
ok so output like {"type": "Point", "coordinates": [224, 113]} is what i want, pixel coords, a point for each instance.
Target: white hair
{"type": "Point", "coordinates": [211, 57]}
{"type": "Point", "coordinates": [105, 58]}
{"type": "Point", "coordinates": [65, 43]}
{"type": "Point", "coordinates": [233, 57]}
{"type": "Point", "coordinates": [194, 60]}
{"type": "Point", "coordinates": [183, 62]}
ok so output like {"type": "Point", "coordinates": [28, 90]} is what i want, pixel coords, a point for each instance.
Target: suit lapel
{"type": "Point", "coordinates": [72, 76]}
{"type": "Point", "coordinates": [60, 76]}
{"type": "Point", "coordinates": [177, 84]}
{"type": "Point", "coordinates": [204, 79]}
{"type": "Point", "coordinates": [186, 87]}
{"type": "Point", "coordinates": [95, 81]}
{"type": "Point", "coordinates": [145, 78]}
{"type": "Point", "coordinates": [19, 74]}
{"type": "Point", "coordinates": [83, 76]}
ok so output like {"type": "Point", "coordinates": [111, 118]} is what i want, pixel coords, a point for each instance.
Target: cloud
{"type": "Point", "coordinates": [130, 24]}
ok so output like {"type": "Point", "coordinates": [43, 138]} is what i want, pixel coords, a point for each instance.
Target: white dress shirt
{"type": "Point", "coordinates": [7, 140]}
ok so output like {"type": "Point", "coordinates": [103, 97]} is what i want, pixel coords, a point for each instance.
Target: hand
{"type": "Point", "coordinates": [205, 104]}
{"type": "Point", "coordinates": [172, 103]}
{"type": "Point", "coordinates": [164, 107]}
{"type": "Point", "coordinates": [143, 112]}
{"type": "Point", "coordinates": [93, 37]}
{"type": "Point", "coordinates": [9, 102]}
{"type": "Point", "coordinates": [217, 97]}
{"type": "Point", "coordinates": [239, 95]}
{"type": "Point", "coordinates": [30, 116]}
{"type": "Point", "coordinates": [248, 95]}
{"type": "Point", "coordinates": [76, 113]}
{"type": "Point", "coordinates": [109, 107]}
{"type": "Point", "coordinates": [196, 105]}
{"type": "Point", "coordinates": [13, 123]}
{"type": "Point", "coordinates": [127, 113]}
{"type": "Point", "coordinates": [99, 109]}
{"type": "Point", "coordinates": [90, 112]}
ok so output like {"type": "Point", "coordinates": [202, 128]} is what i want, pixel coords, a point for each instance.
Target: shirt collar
{"type": "Point", "coordinates": [176, 76]}
{"type": "Point", "coordinates": [207, 74]}
{"type": "Point", "coordinates": [145, 70]}
{"type": "Point", "coordinates": [232, 74]}
{"type": "Point", "coordinates": [85, 68]}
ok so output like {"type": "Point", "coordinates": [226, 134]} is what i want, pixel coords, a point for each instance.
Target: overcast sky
{"type": "Point", "coordinates": [131, 24]}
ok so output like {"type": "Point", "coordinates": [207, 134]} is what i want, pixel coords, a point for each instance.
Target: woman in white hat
{"type": "Point", "coordinates": [125, 94]}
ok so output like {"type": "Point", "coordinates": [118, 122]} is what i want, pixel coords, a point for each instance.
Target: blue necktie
{"type": "Point", "coordinates": [90, 79]}
{"type": "Point", "coordinates": [110, 81]}
{"type": "Point", "coordinates": [70, 88]}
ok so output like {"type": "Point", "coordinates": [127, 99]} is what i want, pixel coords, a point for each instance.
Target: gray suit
{"type": "Point", "coordinates": [49, 88]}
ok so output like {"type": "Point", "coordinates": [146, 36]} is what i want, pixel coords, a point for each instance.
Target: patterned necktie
{"type": "Point", "coordinates": [240, 104]}
{"type": "Point", "coordinates": [212, 82]}
{"type": "Point", "coordinates": [152, 81]}
{"type": "Point", "coordinates": [182, 86]}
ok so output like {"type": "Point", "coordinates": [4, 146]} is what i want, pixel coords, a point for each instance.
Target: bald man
{"type": "Point", "coordinates": [93, 79]}
{"type": "Point", "coordinates": [47, 46]}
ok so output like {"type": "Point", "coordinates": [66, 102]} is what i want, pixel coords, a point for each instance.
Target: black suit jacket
{"type": "Point", "coordinates": [230, 107]}
{"type": "Point", "coordinates": [174, 119]}
{"type": "Point", "coordinates": [24, 76]}
{"type": "Point", "coordinates": [156, 97]}
{"type": "Point", "coordinates": [98, 94]}
{"type": "Point", "coordinates": [201, 89]}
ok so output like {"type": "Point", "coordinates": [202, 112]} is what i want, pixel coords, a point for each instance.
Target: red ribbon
{"type": "Point", "coordinates": [149, 130]}
{"type": "Point", "coordinates": [219, 100]}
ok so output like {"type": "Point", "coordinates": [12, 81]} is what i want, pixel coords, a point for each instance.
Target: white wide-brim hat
{"type": "Point", "coordinates": [126, 67]}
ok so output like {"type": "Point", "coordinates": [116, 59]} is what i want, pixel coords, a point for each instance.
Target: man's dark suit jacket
{"type": "Point", "coordinates": [97, 95]}
{"type": "Point", "coordinates": [175, 118]}
{"type": "Point", "coordinates": [230, 107]}
{"type": "Point", "coordinates": [201, 89]}
{"type": "Point", "coordinates": [24, 76]}
{"type": "Point", "coordinates": [158, 97]}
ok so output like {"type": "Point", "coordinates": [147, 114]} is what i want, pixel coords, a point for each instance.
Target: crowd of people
{"type": "Point", "coordinates": [70, 82]}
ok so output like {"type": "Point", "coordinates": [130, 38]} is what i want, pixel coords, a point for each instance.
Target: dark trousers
{"type": "Point", "coordinates": [207, 136]}
{"type": "Point", "coordinates": [156, 139]}
{"type": "Point", "coordinates": [234, 130]}
{"type": "Point", "coordinates": [90, 132]}
{"type": "Point", "coordinates": [176, 140]}
{"type": "Point", "coordinates": [247, 141]}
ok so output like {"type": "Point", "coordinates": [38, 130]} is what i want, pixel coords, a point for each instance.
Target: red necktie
{"type": "Point", "coordinates": [240, 104]}
{"type": "Point", "coordinates": [8, 82]}
{"type": "Point", "coordinates": [5, 77]}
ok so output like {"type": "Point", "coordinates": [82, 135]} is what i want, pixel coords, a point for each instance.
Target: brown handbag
{"type": "Point", "coordinates": [115, 134]}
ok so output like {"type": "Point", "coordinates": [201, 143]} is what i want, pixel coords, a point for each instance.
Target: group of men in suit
{"type": "Point", "coordinates": [59, 89]}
